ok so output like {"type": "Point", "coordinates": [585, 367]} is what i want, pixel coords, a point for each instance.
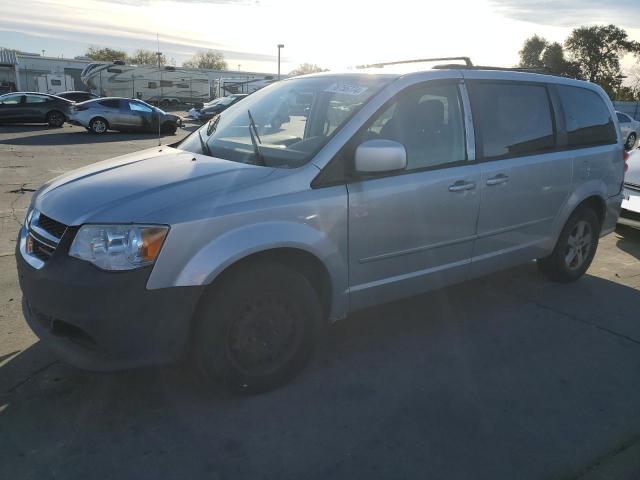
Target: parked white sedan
{"type": "Point", "coordinates": [630, 129]}
{"type": "Point", "coordinates": [630, 214]}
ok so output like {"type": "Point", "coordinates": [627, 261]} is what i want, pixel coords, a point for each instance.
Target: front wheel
{"type": "Point", "coordinates": [575, 248]}
{"type": "Point", "coordinates": [258, 328]}
{"type": "Point", "coordinates": [631, 141]}
{"type": "Point", "coordinates": [55, 119]}
{"type": "Point", "coordinates": [169, 127]}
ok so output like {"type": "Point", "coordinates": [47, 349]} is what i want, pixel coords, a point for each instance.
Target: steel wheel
{"type": "Point", "coordinates": [631, 141]}
{"type": "Point", "coordinates": [578, 245]}
{"type": "Point", "coordinates": [264, 336]}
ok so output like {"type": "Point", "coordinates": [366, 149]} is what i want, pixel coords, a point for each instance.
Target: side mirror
{"type": "Point", "coordinates": [379, 156]}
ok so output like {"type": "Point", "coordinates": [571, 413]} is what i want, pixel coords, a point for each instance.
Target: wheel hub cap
{"type": "Point", "coordinates": [578, 245]}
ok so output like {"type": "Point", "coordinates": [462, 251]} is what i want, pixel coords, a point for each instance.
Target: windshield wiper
{"type": "Point", "coordinates": [203, 145]}
{"type": "Point", "coordinates": [256, 146]}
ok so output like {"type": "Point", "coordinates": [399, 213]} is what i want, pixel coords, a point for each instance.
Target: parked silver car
{"type": "Point", "coordinates": [630, 213]}
{"type": "Point", "coordinates": [239, 242]}
{"type": "Point", "coordinates": [630, 130]}
{"type": "Point", "coordinates": [123, 114]}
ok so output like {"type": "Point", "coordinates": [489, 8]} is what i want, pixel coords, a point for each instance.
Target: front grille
{"type": "Point", "coordinates": [41, 250]}
{"type": "Point", "coordinates": [44, 235]}
{"type": "Point", "coordinates": [51, 226]}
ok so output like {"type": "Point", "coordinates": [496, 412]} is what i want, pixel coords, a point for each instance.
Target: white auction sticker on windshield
{"type": "Point", "coordinates": [346, 89]}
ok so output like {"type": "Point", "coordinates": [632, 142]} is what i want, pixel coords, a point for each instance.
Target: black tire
{"type": "Point", "coordinates": [55, 119]}
{"type": "Point", "coordinates": [98, 126]}
{"type": "Point", "coordinates": [258, 328]}
{"type": "Point", "coordinates": [573, 253]}
{"type": "Point", "coordinates": [169, 127]}
{"type": "Point", "coordinates": [631, 141]}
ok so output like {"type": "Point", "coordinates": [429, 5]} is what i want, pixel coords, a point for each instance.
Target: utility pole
{"type": "Point", "coordinates": [280, 47]}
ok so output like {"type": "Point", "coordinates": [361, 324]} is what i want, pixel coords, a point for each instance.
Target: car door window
{"type": "Point", "coordinates": [428, 121]}
{"type": "Point", "coordinates": [511, 119]}
{"type": "Point", "coordinates": [11, 100]}
{"type": "Point", "coordinates": [36, 99]}
{"type": "Point", "coordinates": [139, 107]}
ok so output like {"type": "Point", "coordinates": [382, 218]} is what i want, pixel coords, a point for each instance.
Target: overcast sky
{"type": "Point", "coordinates": [331, 33]}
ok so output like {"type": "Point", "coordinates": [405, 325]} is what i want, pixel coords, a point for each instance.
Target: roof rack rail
{"type": "Point", "coordinates": [541, 71]}
{"type": "Point", "coordinates": [466, 60]}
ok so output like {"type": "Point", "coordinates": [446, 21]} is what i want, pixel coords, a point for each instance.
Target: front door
{"type": "Point", "coordinates": [12, 108]}
{"type": "Point", "coordinates": [414, 231]}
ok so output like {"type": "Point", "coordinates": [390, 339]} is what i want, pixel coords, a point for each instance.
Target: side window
{"type": "Point", "coordinates": [139, 107]}
{"type": "Point", "coordinates": [56, 83]}
{"type": "Point", "coordinates": [152, 85]}
{"type": "Point", "coordinates": [110, 103]}
{"type": "Point", "coordinates": [428, 121]}
{"type": "Point", "coordinates": [36, 99]}
{"type": "Point", "coordinates": [511, 119]}
{"type": "Point", "coordinates": [587, 117]}
{"type": "Point", "coordinates": [622, 118]}
{"type": "Point", "coordinates": [166, 83]}
{"type": "Point", "coordinates": [11, 100]}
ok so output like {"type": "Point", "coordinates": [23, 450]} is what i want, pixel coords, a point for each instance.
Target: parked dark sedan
{"type": "Point", "coordinates": [77, 96]}
{"type": "Point", "coordinates": [123, 114]}
{"type": "Point", "coordinates": [208, 111]}
{"type": "Point", "coordinates": [33, 107]}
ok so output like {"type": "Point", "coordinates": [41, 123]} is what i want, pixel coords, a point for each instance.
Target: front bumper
{"type": "Point", "coordinates": [100, 320]}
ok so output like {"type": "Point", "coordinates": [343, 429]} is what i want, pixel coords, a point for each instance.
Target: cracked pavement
{"type": "Point", "coordinates": [509, 376]}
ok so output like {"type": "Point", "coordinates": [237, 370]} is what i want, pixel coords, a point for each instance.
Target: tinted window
{"type": "Point", "coordinates": [511, 119]}
{"type": "Point", "coordinates": [182, 85]}
{"type": "Point", "coordinates": [587, 117]}
{"type": "Point", "coordinates": [36, 99]}
{"type": "Point", "coordinates": [139, 107]}
{"type": "Point", "coordinates": [56, 83]}
{"type": "Point", "coordinates": [110, 103]}
{"type": "Point", "coordinates": [166, 83]}
{"type": "Point", "coordinates": [427, 121]}
{"type": "Point", "coordinates": [622, 118]}
{"type": "Point", "coordinates": [152, 85]}
{"type": "Point", "coordinates": [114, 70]}
{"type": "Point", "coordinates": [11, 100]}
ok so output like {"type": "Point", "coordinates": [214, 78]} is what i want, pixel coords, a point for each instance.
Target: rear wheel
{"type": "Point", "coordinates": [55, 119]}
{"type": "Point", "coordinates": [631, 141]}
{"type": "Point", "coordinates": [575, 248]}
{"type": "Point", "coordinates": [259, 328]}
{"type": "Point", "coordinates": [98, 125]}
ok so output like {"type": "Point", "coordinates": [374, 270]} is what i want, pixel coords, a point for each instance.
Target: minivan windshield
{"type": "Point", "coordinates": [285, 124]}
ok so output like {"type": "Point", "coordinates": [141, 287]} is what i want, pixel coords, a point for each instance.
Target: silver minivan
{"type": "Point", "coordinates": [240, 242]}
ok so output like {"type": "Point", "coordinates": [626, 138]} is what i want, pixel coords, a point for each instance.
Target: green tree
{"type": "Point", "coordinates": [538, 53]}
{"type": "Point", "coordinates": [531, 53]}
{"type": "Point", "coordinates": [597, 50]}
{"type": "Point", "coordinates": [147, 57]}
{"type": "Point", "coordinates": [211, 59]}
{"type": "Point", "coordinates": [106, 54]}
{"type": "Point", "coordinates": [306, 68]}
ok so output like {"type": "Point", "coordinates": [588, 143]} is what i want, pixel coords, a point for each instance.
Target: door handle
{"type": "Point", "coordinates": [498, 179]}
{"type": "Point", "coordinates": [461, 186]}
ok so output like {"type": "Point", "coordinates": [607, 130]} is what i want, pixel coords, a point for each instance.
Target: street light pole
{"type": "Point", "coordinates": [280, 46]}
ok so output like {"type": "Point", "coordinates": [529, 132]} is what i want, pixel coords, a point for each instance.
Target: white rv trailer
{"type": "Point", "coordinates": [170, 85]}
{"type": "Point", "coordinates": [54, 83]}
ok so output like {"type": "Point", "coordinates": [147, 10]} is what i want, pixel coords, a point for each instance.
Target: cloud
{"type": "Point", "coordinates": [571, 13]}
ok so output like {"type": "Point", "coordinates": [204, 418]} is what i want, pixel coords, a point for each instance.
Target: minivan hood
{"type": "Point", "coordinates": [131, 187]}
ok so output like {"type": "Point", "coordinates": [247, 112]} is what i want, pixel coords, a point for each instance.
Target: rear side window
{"type": "Point", "coordinates": [622, 118]}
{"type": "Point", "coordinates": [110, 103]}
{"type": "Point", "coordinates": [36, 99]}
{"type": "Point", "coordinates": [587, 117]}
{"type": "Point", "coordinates": [511, 119]}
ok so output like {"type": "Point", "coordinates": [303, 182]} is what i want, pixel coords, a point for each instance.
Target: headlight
{"type": "Point", "coordinates": [119, 247]}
